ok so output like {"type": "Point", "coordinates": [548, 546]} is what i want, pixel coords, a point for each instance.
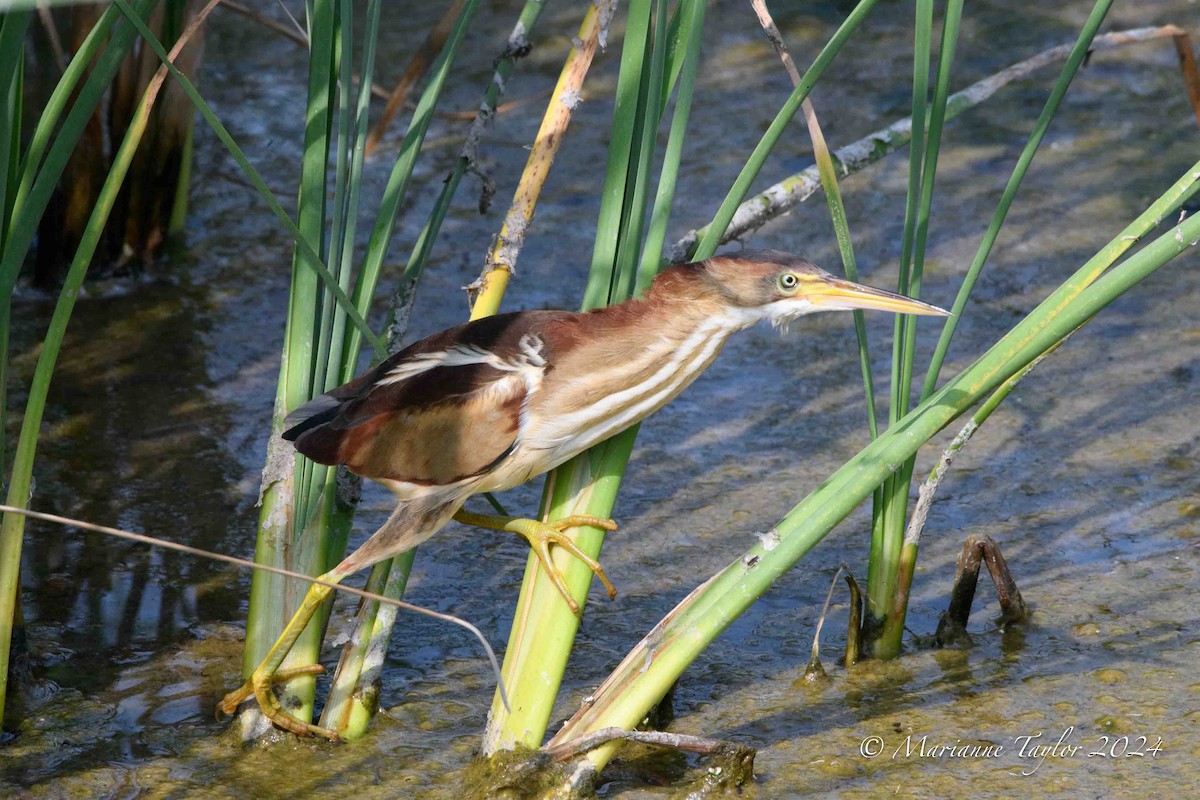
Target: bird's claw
{"type": "Point", "coordinates": [546, 533]}
{"type": "Point", "coordinates": [260, 687]}
{"type": "Point", "coordinates": [541, 535]}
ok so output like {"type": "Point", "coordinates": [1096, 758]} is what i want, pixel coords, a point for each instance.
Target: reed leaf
{"type": "Point", "coordinates": [890, 575]}
{"type": "Point", "coordinates": [688, 30]}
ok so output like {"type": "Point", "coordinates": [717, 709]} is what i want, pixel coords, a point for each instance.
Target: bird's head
{"type": "Point", "coordinates": [770, 285]}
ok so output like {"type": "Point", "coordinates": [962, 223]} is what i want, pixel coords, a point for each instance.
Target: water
{"type": "Point", "coordinates": [1086, 477]}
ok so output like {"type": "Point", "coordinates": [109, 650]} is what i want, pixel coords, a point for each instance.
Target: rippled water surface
{"type": "Point", "coordinates": [1087, 477]}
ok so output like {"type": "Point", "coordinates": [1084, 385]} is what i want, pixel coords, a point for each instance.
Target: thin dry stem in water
{"type": "Point", "coordinates": [814, 663]}
{"type": "Point", "coordinates": [776, 38]}
{"type": "Point", "coordinates": [247, 564]}
{"type": "Point", "coordinates": [674, 741]}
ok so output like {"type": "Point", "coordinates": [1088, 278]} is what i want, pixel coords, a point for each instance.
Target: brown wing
{"type": "Point", "coordinates": [441, 410]}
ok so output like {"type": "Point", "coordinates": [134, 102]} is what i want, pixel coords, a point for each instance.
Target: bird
{"type": "Point", "coordinates": [489, 404]}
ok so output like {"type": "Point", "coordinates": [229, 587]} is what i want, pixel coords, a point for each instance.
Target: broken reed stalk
{"type": "Point", "coordinates": [977, 550]}
{"type": "Point", "coordinates": [786, 194]}
{"type": "Point", "coordinates": [488, 290]}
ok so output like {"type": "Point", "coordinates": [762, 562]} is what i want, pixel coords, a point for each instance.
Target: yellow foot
{"type": "Point", "coordinates": [260, 685]}
{"type": "Point", "coordinates": [541, 535]}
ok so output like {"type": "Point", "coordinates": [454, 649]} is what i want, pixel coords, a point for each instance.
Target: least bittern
{"type": "Point", "coordinates": [486, 406]}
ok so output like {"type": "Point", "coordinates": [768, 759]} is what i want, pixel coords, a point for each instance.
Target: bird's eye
{"type": "Point", "coordinates": [788, 281]}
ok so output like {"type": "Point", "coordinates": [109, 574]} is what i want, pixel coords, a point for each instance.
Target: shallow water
{"type": "Point", "coordinates": [1086, 477]}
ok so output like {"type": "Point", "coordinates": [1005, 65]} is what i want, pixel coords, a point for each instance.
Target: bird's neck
{"type": "Point", "coordinates": [681, 302]}
{"type": "Point", "coordinates": [616, 365]}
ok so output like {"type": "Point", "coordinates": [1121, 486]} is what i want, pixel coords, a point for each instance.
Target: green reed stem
{"type": "Point", "coordinates": [894, 576]}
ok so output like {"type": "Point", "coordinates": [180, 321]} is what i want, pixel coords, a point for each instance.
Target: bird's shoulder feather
{"type": "Point", "coordinates": [441, 410]}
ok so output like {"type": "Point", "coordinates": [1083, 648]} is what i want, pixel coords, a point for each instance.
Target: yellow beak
{"type": "Point", "coordinates": [835, 293]}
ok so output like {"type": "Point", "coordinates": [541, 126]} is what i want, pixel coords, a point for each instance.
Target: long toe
{"type": "Point", "coordinates": [562, 540]}
{"type": "Point", "coordinates": [280, 718]}
{"type": "Point", "coordinates": [577, 520]}
{"type": "Point", "coordinates": [229, 704]}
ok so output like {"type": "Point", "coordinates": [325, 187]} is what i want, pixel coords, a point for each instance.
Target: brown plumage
{"type": "Point", "coordinates": [487, 405]}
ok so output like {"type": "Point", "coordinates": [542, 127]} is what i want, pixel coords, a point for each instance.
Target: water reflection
{"type": "Point", "coordinates": [133, 440]}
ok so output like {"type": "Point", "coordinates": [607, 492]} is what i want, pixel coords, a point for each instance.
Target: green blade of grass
{"type": "Point", "coordinates": [922, 47]}
{"type": "Point", "coordinates": [623, 149]}
{"type": "Point", "coordinates": [650, 109]}
{"type": "Point", "coordinates": [877, 574]}
{"type": "Point", "coordinates": [884, 564]}
{"type": "Point", "coordinates": [689, 31]}
{"type": "Point", "coordinates": [12, 63]}
{"type": "Point", "coordinates": [301, 334]}
{"type": "Point", "coordinates": [12, 60]}
{"type": "Point", "coordinates": [937, 121]}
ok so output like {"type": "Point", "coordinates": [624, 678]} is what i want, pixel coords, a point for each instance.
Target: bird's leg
{"type": "Point", "coordinates": [541, 535]}
{"type": "Point", "coordinates": [269, 673]}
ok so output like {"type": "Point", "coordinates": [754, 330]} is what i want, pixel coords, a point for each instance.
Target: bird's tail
{"type": "Point", "coordinates": [318, 411]}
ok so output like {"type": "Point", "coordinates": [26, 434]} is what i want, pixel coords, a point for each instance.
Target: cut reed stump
{"type": "Point", "coordinates": [977, 550]}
